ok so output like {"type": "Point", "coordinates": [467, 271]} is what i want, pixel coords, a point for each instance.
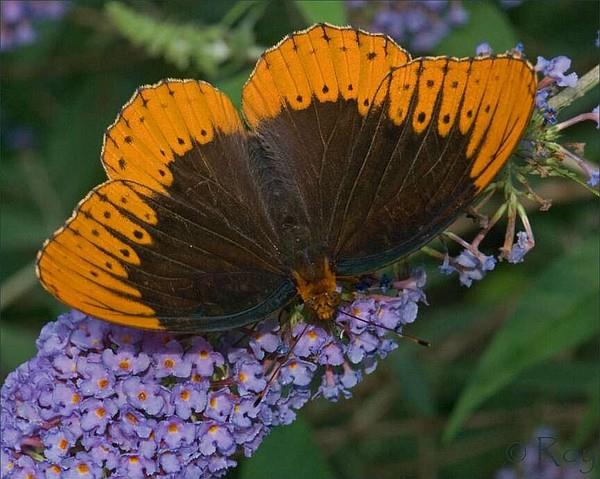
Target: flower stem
{"type": "Point", "coordinates": [576, 119]}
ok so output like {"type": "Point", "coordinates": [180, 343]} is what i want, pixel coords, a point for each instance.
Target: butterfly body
{"type": "Point", "coordinates": [354, 156]}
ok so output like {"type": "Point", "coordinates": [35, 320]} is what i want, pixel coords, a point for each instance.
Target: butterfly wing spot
{"type": "Point", "coordinates": [122, 163]}
{"type": "Point", "coordinates": [452, 89]}
{"type": "Point", "coordinates": [371, 55]}
{"type": "Point", "coordinates": [421, 117]}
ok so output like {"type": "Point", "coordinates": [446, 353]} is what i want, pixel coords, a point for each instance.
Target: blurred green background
{"type": "Point", "coordinates": [513, 352]}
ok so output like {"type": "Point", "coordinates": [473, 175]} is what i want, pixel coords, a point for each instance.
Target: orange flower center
{"type": "Point", "coordinates": [142, 396]}
{"type": "Point", "coordinates": [169, 363]}
{"type": "Point", "coordinates": [185, 395]}
{"type": "Point", "coordinates": [173, 428]}
{"type": "Point", "coordinates": [203, 354]}
{"type": "Point", "coordinates": [63, 443]}
{"type": "Point", "coordinates": [100, 412]}
{"type": "Point", "coordinates": [83, 468]}
{"type": "Point", "coordinates": [103, 383]}
{"type": "Point", "coordinates": [213, 429]}
{"type": "Point", "coordinates": [124, 364]}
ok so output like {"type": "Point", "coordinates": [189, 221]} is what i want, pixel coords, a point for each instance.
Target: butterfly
{"type": "Point", "coordinates": [349, 156]}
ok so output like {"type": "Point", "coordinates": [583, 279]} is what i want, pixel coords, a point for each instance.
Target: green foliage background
{"type": "Point", "coordinates": [518, 350]}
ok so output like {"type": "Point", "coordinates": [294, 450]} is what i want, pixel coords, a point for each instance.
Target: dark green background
{"type": "Point", "coordinates": [515, 351]}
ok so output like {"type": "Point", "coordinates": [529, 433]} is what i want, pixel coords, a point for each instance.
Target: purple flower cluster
{"type": "Point", "coordinates": [418, 25]}
{"type": "Point", "coordinates": [107, 401]}
{"type": "Point", "coordinates": [469, 264]}
{"type": "Point", "coordinates": [554, 76]}
{"type": "Point", "coordinates": [520, 248]}
{"type": "Point", "coordinates": [17, 17]}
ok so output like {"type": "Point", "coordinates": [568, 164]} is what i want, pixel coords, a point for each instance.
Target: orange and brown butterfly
{"type": "Point", "coordinates": [349, 156]}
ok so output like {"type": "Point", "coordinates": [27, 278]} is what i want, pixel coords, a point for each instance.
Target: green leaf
{"type": "Point", "coordinates": [414, 382]}
{"type": "Point", "coordinates": [288, 452]}
{"type": "Point", "coordinates": [317, 11]}
{"type": "Point", "coordinates": [558, 311]}
{"type": "Point", "coordinates": [21, 228]}
{"type": "Point", "coordinates": [590, 420]}
{"type": "Point", "coordinates": [17, 345]}
{"type": "Point", "coordinates": [487, 23]}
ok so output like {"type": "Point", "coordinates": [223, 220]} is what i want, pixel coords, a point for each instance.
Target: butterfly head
{"type": "Point", "coordinates": [318, 289]}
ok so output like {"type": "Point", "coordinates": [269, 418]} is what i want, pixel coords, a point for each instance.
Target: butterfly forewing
{"type": "Point", "coordinates": [444, 130]}
{"type": "Point", "coordinates": [307, 101]}
{"type": "Point", "coordinates": [383, 163]}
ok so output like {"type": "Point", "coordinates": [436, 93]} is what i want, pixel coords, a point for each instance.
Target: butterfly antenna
{"type": "Point", "coordinates": [277, 368]}
{"type": "Point", "coordinates": [414, 339]}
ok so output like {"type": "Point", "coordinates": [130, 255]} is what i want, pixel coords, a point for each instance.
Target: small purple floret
{"type": "Point", "coordinates": [470, 266]}
{"type": "Point", "coordinates": [555, 69]}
